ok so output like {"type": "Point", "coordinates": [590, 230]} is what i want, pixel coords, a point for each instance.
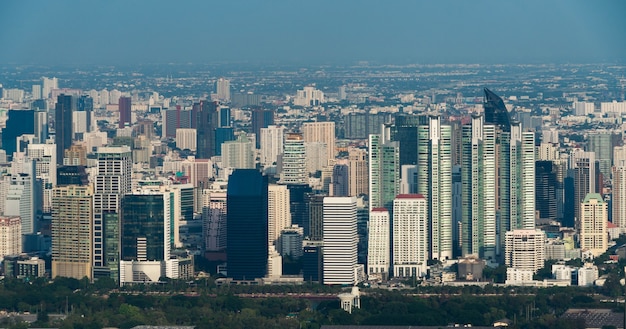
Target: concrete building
{"type": "Point", "coordinates": [593, 224]}
{"type": "Point", "coordinates": [238, 154]}
{"type": "Point", "coordinates": [340, 241]}
{"type": "Point", "coordinates": [379, 244]}
{"type": "Point", "coordinates": [186, 139]}
{"type": "Point", "coordinates": [293, 166]}
{"type": "Point", "coordinates": [278, 214]}
{"type": "Point", "coordinates": [10, 236]}
{"type": "Point", "coordinates": [357, 164]}
{"type": "Point", "coordinates": [309, 96]}
{"type": "Point", "coordinates": [222, 87]}
{"type": "Point", "coordinates": [525, 249]}
{"type": "Point", "coordinates": [322, 132]}
{"type": "Point", "coordinates": [272, 140]}
{"type": "Point", "coordinates": [410, 236]}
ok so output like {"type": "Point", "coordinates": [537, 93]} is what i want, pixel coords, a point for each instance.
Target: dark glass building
{"type": "Point", "coordinates": [72, 175]}
{"type": "Point", "coordinates": [312, 263]}
{"type": "Point", "coordinates": [207, 121]}
{"type": "Point", "coordinates": [66, 104]}
{"type": "Point", "coordinates": [223, 134]}
{"type": "Point", "coordinates": [261, 118]}
{"type": "Point", "coordinates": [125, 105]}
{"type": "Point", "coordinates": [85, 103]}
{"type": "Point", "coordinates": [406, 134]}
{"type": "Point", "coordinates": [143, 234]}
{"type": "Point", "coordinates": [298, 205]}
{"type": "Point", "coordinates": [496, 112]}
{"type": "Point", "coordinates": [545, 190]}
{"type": "Point", "coordinates": [20, 122]}
{"type": "Point", "coordinates": [246, 242]}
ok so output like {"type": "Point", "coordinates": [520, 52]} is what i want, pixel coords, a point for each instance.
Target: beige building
{"type": "Point", "coordinates": [278, 215]}
{"type": "Point", "coordinates": [72, 248]}
{"type": "Point", "coordinates": [593, 224]}
{"type": "Point", "coordinates": [357, 164]}
{"type": "Point", "coordinates": [10, 236]}
{"type": "Point", "coordinates": [186, 139]}
{"type": "Point", "coordinates": [323, 132]}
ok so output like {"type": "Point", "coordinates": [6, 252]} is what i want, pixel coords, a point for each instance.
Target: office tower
{"type": "Point", "coordinates": [85, 104]}
{"type": "Point", "coordinates": [408, 184]}
{"type": "Point", "coordinates": [316, 156]}
{"type": "Point", "coordinates": [206, 124]}
{"type": "Point", "coordinates": [478, 189]}
{"type": "Point", "coordinates": [186, 139]}
{"type": "Point", "coordinates": [618, 197]}
{"type": "Point", "coordinates": [19, 122]}
{"type": "Point", "coordinates": [357, 164]}
{"type": "Point", "coordinates": [125, 104]}
{"type": "Point", "coordinates": [593, 224]}
{"type": "Point", "coordinates": [290, 242]}
{"type": "Point", "coordinates": [41, 126]}
{"type": "Point", "coordinates": [601, 144]}
{"type": "Point", "coordinates": [406, 135]}
{"type": "Point", "coordinates": [72, 175]}
{"type": "Point", "coordinates": [145, 230]}
{"type": "Point", "coordinates": [238, 154]}
{"type": "Point", "coordinates": [434, 182]}
{"type": "Point", "coordinates": [582, 170]}
{"type": "Point", "coordinates": [379, 244]}
{"type": "Point", "coordinates": [525, 249]}
{"type": "Point", "coordinates": [322, 132]}
{"type": "Point", "coordinates": [214, 218]}
{"type": "Point", "coordinates": [299, 205]}
{"type": "Point", "coordinates": [261, 118]}
{"type": "Point", "coordinates": [340, 185]}
{"type": "Point", "coordinates": [177, 117]}
{"type": "Point", "coordinates": [36, 92]}
{"type": "Point", "coordinates": [294, 160]}
{"type": "Point", "coordinates": [312, 262]}
{"type": "Point", "coordinates": [315, 206]}
{"type": "Point", "coordinates": [278, 215]}
{"type": "Point", "coordinates": [22, 197]}
{"type": "Point", "coordinates": [247, 232]}
{"type": "Point", "coordinates": [223, 135]}
{"type": "Point", "coordinates": [384, 171]}
{"type": "Point", "coordinates": [361, 125]}
{"type": "Point", "coordinates": [272, 139]}
{"type": "Point", "coordinates": [457, 210]}
{"type": "Point", "coordinates": [224, 117]}
{"type": "Point", "coordinates": [48, 84]}
{"type": "Point", "coordinates": [308, 96]}
{"type": "Point", "coordinates": [44, 157]}
{"type": "Point", "coordinates": [112, 182]}
{"type": "Point", "coordinates": [72, 245]}
{"type": "Point", "coordinates": [10, 236]}
{"type": "Point", "coordinates": [66, 104]}
{"type": "Point", "coordinates": [410, 236]}
{"type": "Point", "coordinates": [521, 180]}
{"type": "Point", "coordinates": [223, 89]}
{"type": "Point", "coordinates": [546, 191]}
{"type": "Point", "coordinates": [340, 241]}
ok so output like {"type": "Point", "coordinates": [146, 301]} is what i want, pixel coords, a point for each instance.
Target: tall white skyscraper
{"type": "Point", "coordinates": [48, 84]}
{"type": "Point", "coordinates": [410, 235]}
{"type": "Point", "coordinates": [238, 154]}
{"type": "Point", "coordinates": [593, 224]}
{"type": "Point", "coordinates": [112, 182]}
{"type": "Point", "coordinates": [340, 240]}
{"type": "Point", "coordinates": [618, 199]}
{"type": "Point", "coordinates": [272, 139]}
{"type": "Point", "coordinates": [434, 182]}
{"type": "Point", "coordinates": [379, 244]}
{"type": "Point", "coordinates": [293, 169]}
{"type": "Point", "coordinates": [278, 214]}
{"type": "Point", "coordinates": [323, 132]}
{"type": "Point", "coordinates": [522, 178]}
{"type": "Point", "coordinates": [21, 198]}
{"type": "Point", "coordinates": [223, 89]}
{"type": "Point", "coordinates": [45, 159]}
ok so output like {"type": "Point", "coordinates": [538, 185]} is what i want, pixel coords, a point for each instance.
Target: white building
{"type": "Point", "coordinates": [316, 156]}
{"type": "Point", "coordinates": [214, 217]}
{"type": "Point", "coordinates": [525, 249]}
{"type": "Point", "coordinates": [274, 263]}
{"type": "Point", "coordinates": [309, 96]}
{"type": "Point", "coordinates": [293, 165]}
{"type": "Point", "coordinates": [593, 224]}
{"type": "Point", "coordinates": [223, 89]}
{"type": "Point", "coordinates": [340, 240]}
{"type": "Point", "coordinates": [410, 235]}
{"type": "Point", "coordinates": [272, 139]}
{"type": "Point", "coordinates": [379, 244]}
{"type": "Point", "coordinates": [583, 108]}
{"type": "Point", "coordinates": [10, 236]}
{"type": "Point", "coordinates": [323, 132]}
{"type": "Point", "coordinates": [618, 198]}
{"type": "Point", "coordinates": [587, 275]}
{"type": "Point", "coordinates": [238, 154]}
{"type": "Point", "coordinates": [278, 214]}
{"type": "Point", "coordinates": [186, 139]}
{"type": "Point", "coordinates": [21, 199]}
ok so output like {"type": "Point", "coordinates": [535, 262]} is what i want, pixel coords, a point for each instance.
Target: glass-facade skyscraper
{"type": "Point", "coordinates": [146, 225]}
{"type": "Point", "coordinates": [247, 231]}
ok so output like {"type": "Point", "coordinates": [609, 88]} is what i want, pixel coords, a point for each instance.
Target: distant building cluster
{"type": "Point", "coordinates": [132, 185]}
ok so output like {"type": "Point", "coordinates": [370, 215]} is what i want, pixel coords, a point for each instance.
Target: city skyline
{"type": "Point", "coordinates": [292, 32]}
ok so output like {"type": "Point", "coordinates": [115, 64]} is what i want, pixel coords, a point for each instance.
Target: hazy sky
{"type": "Point", "coordinates": [315, 31]}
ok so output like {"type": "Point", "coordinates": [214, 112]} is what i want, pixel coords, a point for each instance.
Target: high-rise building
{"type": "Point", "coordinates": [340, 241]}
{"type": "Point", "coordinates": [48, 84]}
{"type": "Point", "coordinates": [308, 96]}
{"type": "Point", "coordinates": [247, 232]}
{"type": "Point", "coordinates": [316, 156]}
{"type": "Point", "coordinates": [406, 135]}
{"type": "Point", "coordinates": [384, 171]}
{"type": "Point", "coordinates": [546, 190]}
{"type": "Point", "coordinates": [238, 154]}
{"type": "Point", "coordinates": [434, 182]}
{"type": "Point", "coordinates": [22, 197]}
{"type": "Point", "coordinates": [293, 169]}
{"type": "Point", "coordinates": [112, 182]}
{"type": "Point", "coordinates": [410, 236]}
{"type": "Point", "coordinates": [19, 122]}
{"type": "Point", "coordinates": [223, 135]}
{"type": "Point", "coordinates": [41, 126]}
{"type": "Point", "coordinates": [323, 132]}
{"type": "Point", "coordinates": [261, 118]}
{"type": "Point", "coordinates": [583, 171]}
{"type": "Point", "coordinates": [223, 89]}
{"type": "Point", "coordinates": [315, 206]}
{"type": "Point", "coordinates": [146, 221]}
{"type": "Point", "coordinates": [278, 215]}
{"type": "Point", "coordinates": [593, 224]}
{"type": "Point", "coordinates": [72, 245]}
{"type": "Point", "coordinates": [340, 185]}
{"type": "Point", "coordinates": [272, 140]}
{"type": "Point", "coordinates": [379, 244]}
{"type": "Point", "coordinates": [525, 249]}
{"type": "Point", "coordinates": [357, 164]}
{"type": "Point", "coordinates": [214, 217]}
{"type": "Point", "coordinates": [63, 126]}
{"type": "Point", "coordinates": [44, 158]}
{"type": "Point", "coordinates": [10, 236]}
{"type": "Point", "coordinates": [206, 124]}
{"type": "Point", "coordinates": [125, 105]}
{"type": "Point", "coordinates": [186, 139]}
{"type": "Point", "coordinates": [618, 198]}
{"type": "Point", "coordinates": [601, 144]}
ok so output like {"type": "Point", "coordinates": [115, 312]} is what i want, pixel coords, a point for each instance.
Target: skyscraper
{"type": "Point", "coordinates": [72, 245]}
{"type": "Point", "coordinates": [406, 135]}
{"type": "Point", "coordinates": [19, 122]}
{"type": "Point", "coordinates": [340, 185]}
{"type": "Point", "coordinates": [379, 244]}
{"type": "Point", "coordinates": [593, 224]}
{"type": "Point", "coordinates": [546, 187]}
{"type": "Point", "coordinates": [247, 232]}
{"type": "Point", "coordinates": [146, 221]}
{"type": "Point", "coordinates": [601, 144]}
{"type": "Point", "coordinates": [294, 161]}
{"type": "Point", "coordinates": [238, 154]}
{"type": "Point", "coordinates": [384, 169]}
{"type": "Point", "coordinates": [340, 240]}
{"type": "Point", "coordinates": [10, 236]}
{"type": "Point", "coordinates": [261, 118]}
{"type": "Point", "coordinates": [63, 127]}
{"type": "Point", "coordinates": [582, 170]}
{"type": "Point", "coordinates": [410, 236]}
{"type": "Point", "coordinates": [323, 132]}
{"type": "Point", "coordinates": [112, 182]}
{"type": "Point", "coordinates": [207, 122]}
{"type": "Point", "coordinates": [223, 89]}
{"type": "Point", "coordinates": [272, 139]}
{"type": "Point", "coordinates": [434, 182]}
{"type": "Point", "coordinates": [618, 198]}
{"type": "Point", "coordinates": [357, 163]}
{"type": "Point", "coordinates": [278, 215]}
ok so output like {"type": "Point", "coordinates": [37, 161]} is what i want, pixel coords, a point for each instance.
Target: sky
{"type": "Point", "coordinates": [314, 31]}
